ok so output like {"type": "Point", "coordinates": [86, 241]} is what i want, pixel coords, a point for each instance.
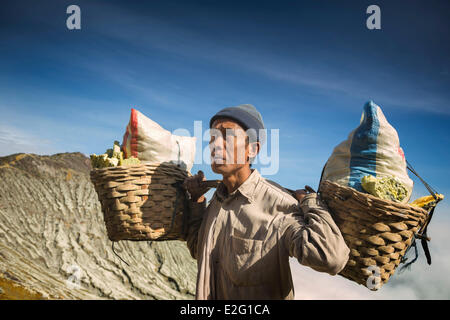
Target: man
{"type": "Point", "coordinates": [243, 239]}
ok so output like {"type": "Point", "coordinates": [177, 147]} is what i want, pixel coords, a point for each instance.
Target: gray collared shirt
{"type": "Point", "coordinates": [242, 241]}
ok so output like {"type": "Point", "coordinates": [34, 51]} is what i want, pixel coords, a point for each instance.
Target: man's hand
{"type": "Point", "coordinates": [300, 194]}
{"type": "Point", "coordinates": [194, 187]}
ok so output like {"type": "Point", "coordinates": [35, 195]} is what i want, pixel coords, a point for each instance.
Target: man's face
{"type": "Point", "coordinates": [230, 148]}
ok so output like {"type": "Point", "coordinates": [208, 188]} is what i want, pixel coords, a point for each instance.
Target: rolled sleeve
{"type": "Point", "coordinates": [312, 236]}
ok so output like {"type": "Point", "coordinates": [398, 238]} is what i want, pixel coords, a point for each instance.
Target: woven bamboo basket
{"type": "Point", "coordinates": [378, 232]}
{"type": "Point", "coordinates": [142, 202]}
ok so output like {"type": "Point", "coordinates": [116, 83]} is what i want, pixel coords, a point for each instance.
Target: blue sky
{"type": "Point", "coordinates": [308, 66]}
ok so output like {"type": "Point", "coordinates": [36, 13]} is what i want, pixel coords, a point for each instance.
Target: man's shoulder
{"type": "Point", "coordinates": [272, 192]}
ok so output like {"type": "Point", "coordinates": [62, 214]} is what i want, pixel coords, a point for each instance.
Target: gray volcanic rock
{"type": "Point", "coordinates": [53, 241]}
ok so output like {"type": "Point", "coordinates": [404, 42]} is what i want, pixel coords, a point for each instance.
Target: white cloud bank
{"type": "Point", "coordinates": [422, 281]}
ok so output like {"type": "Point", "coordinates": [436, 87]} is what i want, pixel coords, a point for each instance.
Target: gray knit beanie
{"type": "Point", "coordinates": [247, 117]}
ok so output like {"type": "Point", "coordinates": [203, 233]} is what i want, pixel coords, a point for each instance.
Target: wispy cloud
{"type": "Point", "coordinates": [405, 94]}
{"type": "Point", "coordinates": [84, 130]}
{"type": "Point", "coordinates": [15, 140]}
{"type": "Point", "coordinates": [140, 35]}
{"type": "Point", "coordinates": [306, 71]}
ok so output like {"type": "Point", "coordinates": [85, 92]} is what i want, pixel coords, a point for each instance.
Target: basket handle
{"type": "Point", "coordinates": [210, 183]}
{"type": "Point", "coordinates": [307, 188]}
{"type": "Point", "coordinates": [215, 184]}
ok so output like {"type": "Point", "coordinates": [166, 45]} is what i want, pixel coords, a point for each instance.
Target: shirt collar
{"type": "Point", "coordinates": [246, 189]}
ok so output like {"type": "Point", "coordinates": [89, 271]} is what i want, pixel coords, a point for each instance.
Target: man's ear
{"type": "Point", "coordinates": [253, 149]}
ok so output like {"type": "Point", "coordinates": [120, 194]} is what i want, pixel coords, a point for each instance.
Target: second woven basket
{"type": "Point", "coordinates": [378, 232]}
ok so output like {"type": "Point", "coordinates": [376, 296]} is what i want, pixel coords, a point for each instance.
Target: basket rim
{"type": "Point", "coordinates": [142, 164]}
{"type": "Point", "coordinates": [372, 197]}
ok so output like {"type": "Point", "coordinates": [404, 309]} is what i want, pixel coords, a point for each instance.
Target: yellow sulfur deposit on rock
{"type": "Point", "coordinates": [387, 188]}
{"type": "Point", "coordinates": [427, 202]}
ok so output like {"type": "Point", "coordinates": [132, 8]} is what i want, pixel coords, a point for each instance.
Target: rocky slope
{"type": "Point", "coordinates": [53, 242]}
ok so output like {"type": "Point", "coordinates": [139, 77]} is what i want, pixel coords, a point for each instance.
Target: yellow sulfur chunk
{"type": "Point", "coordinates": [131, 161]}
{"type": "Point", "coordinates": [116, 150]}
{"type": "Point", "coordinates": [388, 188]}
{"type": "Point", "coordinates": [121, 159]}
{"type": "Point", "coordinates": [112, 158]}
{"type": "Point", "coordinates": [427, 201]}
{"type": "Point", "coordinates": [102, 161]}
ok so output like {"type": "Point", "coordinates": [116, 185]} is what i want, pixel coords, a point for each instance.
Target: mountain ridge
{"type": "Point", "coordinates": [53, 241]}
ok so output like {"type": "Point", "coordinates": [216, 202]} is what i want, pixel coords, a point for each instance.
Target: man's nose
{"type": "Point", "coordinates": [218, 145]}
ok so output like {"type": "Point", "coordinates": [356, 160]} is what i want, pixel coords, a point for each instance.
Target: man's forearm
{"type": "Point", "coordinates": [314, 238]}
{"type": "Point", "coordinates": [197, 210]}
